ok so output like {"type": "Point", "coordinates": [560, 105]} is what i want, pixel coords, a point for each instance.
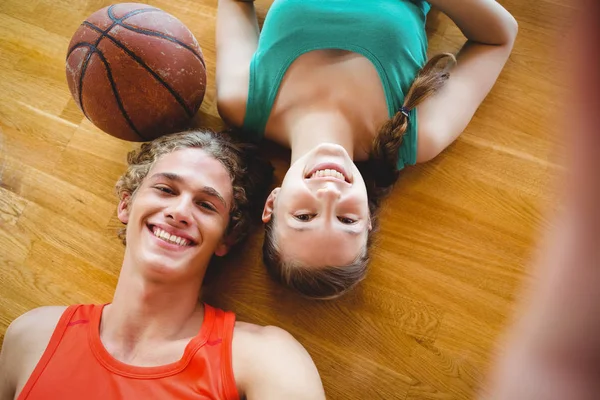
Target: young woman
{"type": "Point", "coordinates": [339, 81]}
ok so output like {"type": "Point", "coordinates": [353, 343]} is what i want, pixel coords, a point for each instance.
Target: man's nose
{"type": "Point", "coordinates": [180, 211]}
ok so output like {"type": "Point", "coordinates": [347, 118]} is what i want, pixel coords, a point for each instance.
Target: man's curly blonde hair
{"type": "Point", "coordinates": [250, 174]}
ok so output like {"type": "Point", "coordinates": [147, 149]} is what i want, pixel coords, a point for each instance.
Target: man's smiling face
{"type": "Point", "coordinates": [178, 217]}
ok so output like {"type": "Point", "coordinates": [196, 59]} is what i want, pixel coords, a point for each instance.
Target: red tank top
{"type": "Point", "coordinates": [75, 365]}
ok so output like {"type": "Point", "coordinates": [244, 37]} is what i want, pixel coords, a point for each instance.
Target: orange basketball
{"type": "Point", "coordinates": [136, 71]}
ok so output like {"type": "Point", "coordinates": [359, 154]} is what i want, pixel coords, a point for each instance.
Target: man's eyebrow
{"type": "Point", "coordinates": [208, 190]}
{"type": "Point", "coordinates": [211, 191]}
{"type": "Point", "coordinates": [168, 175]}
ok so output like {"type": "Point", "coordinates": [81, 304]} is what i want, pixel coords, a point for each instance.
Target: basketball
{"type": "Point", "coordinates": [136, 71]}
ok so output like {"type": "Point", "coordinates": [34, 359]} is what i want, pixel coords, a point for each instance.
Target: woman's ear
{"type": "Point", "coordinates": [123, 208]}
{"type": "Point", "coordinates": [269, 205]}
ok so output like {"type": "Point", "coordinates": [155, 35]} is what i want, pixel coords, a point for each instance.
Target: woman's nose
{"type": "Point", "coordinates": [329, 191]}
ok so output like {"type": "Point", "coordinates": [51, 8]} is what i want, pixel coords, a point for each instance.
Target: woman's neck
{"type": "Point", "coordinates": [318, 127]}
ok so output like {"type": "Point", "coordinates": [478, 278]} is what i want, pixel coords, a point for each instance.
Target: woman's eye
{"type": "Point", "coordinates": [304, 217]}
{"type": "Point", "coordinates": [346, 220]}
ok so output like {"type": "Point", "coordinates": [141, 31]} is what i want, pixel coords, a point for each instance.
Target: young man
{"type": "Point", "coordinates": [183, 198]}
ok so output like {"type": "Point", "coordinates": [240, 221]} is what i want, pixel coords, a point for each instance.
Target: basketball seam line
{"type": "Point", "coordinates": [130, 14]}
{"type": "Point", "coordinates": [151, 33]}
{"type": "Point", "coordinates": [116, 94]}
{"type": "Point", "coordinates": [173, 92]}
{"type": "Point", "coordinates": [95, 50]}
{"type": "Point", "coordinates": [160, 35]}
{"type": "Point", "coordinates": [81, 75]}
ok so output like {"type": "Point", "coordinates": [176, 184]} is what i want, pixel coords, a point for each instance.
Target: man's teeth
{"type": "Point", "coordinates": [328, 172]}
{"type": "Point", "coordinates": [167, 237]}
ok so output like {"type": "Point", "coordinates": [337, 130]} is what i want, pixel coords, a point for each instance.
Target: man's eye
{"type": "Point", "coordinates": [207, 205]}
{"type": "Point", "coordinates": [304, 217]}
{"type": "Point", "coordinates": [346, 220]}
{"type": "Point", "coordinates": [164, 189]}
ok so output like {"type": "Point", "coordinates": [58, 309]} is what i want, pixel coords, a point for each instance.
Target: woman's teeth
{"type": "Point", "coordinates": [328, 172]}
{"type": "Point", "coordinates": [167, 237]}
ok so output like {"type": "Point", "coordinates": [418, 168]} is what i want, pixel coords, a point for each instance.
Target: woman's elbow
{"type": "Point", "coordinates": [512, 29]}
{"type": "Point", "coordinates": [430, 144]}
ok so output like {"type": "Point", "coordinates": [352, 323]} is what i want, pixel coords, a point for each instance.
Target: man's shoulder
{"type": "Point", "coordinates": [29, 334]}
{"type": "Point", "coordinates": [41, 314]}
{"type": "Point", "coordinates": [287, 370]}
{"type": "Point", "coordinates": [35, 323]}
{"type": "Point", "coordinates": [24, 344]}
{"type": "Point", "coordinates": [254, 338]}
{"type": "Point", "coordinates": [260, 332]}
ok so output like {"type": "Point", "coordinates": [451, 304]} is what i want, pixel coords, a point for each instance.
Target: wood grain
{"type": "Point", "coordinates": [456, 235]}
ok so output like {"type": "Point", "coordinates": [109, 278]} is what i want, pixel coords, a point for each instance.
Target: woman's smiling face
{"type": "Point", "coordinates": [321, 210]}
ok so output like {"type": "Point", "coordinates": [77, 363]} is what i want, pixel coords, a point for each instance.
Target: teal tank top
{"type": "Point", "coordinates": [390, 33]}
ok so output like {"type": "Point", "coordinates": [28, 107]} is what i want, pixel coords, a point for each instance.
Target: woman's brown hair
{"type": "Point", "coordinates": [385, 148]}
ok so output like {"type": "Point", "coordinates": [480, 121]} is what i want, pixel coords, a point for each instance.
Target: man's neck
{"type": "Point", "coordinates": [144, 312]}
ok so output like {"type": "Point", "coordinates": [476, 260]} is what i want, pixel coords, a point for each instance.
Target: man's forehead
{"type": "Point", "coordinates": [197, 160]}
{"type": "Point", "coordinates": [194, 168]}
{"type": "Point", "coordinates": [188, 156]}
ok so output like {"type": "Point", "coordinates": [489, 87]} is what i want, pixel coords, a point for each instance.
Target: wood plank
{"type": "Point", "coordinates": [456, 235]}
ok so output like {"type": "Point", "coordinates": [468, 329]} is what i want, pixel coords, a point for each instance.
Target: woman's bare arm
{"type": "Point", "coordinates": [490, 31]}
{"type": "Point", "coordinates": [237, 40]}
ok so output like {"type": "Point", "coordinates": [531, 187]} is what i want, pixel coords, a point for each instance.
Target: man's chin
{"type": "Point", "coordinates": [161, 270]}
{"type": "Point", "coordinates": [169, 266]}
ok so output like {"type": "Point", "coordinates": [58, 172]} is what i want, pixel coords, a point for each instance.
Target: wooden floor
{"type": "Point", "coordinates": [456, 237]}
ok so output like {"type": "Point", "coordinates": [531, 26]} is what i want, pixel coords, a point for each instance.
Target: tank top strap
{"type": "Point", "coordinates": [223, 326]}
{"type": "Point", "coordinates": [219, 319]}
